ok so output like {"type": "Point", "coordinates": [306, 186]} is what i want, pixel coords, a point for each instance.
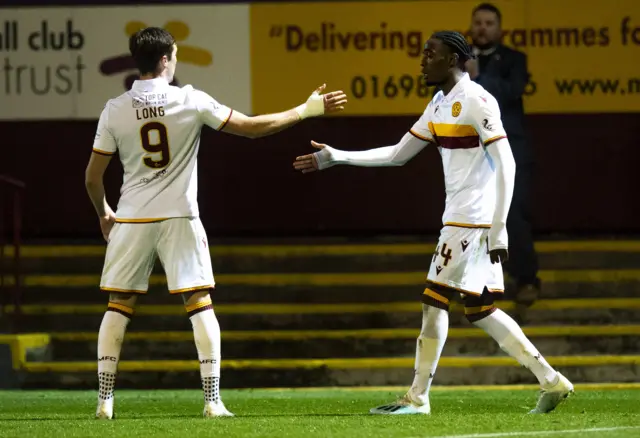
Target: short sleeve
{"type": "Point", "coordinates": [423, 128]}
{"type": "Point", "coordinates": [104, 143]}
{"type": "Point", "coordinates": [212, 113]}
{"type": "Point", "coordinates": [486, 119]}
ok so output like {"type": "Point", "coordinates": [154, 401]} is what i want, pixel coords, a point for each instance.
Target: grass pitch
{"type": "Point", "coordinates": [488, 413]}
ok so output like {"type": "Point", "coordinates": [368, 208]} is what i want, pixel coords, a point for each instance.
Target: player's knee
{"type": "Point", "coordinates": [437, 297]}
{"type": "Point", "coordinates": [122, 303]}
{"type": "Point", "coordinates": [196, 302]}
{"type": "Point", "coordinates": [123, 299]}
{"type": "Point", "coordinates": [196, 297]}
{"type": "Point", "coordinates": [479, 307]}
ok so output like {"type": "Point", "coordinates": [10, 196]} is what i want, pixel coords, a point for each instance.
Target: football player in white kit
{"type": "Point", "coordinates": [155, 129]}
{"type": "Point", "coordinates": [463, 121]}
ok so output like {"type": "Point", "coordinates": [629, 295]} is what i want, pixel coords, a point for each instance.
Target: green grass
{"type": "Point", "coordinates": [313, 413]}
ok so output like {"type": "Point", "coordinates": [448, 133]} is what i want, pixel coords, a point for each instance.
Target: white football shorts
{"type": "Point", "coordinates": [180, 244]}
{"type": "Point", "coordinates": [461, 262]}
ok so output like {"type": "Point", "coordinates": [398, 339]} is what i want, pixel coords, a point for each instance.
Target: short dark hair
{"type": "Point", "coordinates": [148, 46]}
{"type": "Point", "coordinates": [457, 43]}
{"type": "Point", "coordinates": [489, 8]}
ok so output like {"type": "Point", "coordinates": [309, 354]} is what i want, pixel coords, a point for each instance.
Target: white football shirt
{"type": "Point", "coordinates": [155, 128]}
{"type": "Point", "coordinates": [462, 124]}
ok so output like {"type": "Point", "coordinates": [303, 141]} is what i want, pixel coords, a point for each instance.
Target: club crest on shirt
{"type": "Point", "coordinates": [455, 109]}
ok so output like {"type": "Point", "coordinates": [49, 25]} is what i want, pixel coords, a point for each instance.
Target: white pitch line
{"type": "Point", "coordinates": [539, 432]}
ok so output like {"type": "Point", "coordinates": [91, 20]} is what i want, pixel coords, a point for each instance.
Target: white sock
{"type": "Point", "coordinates": [513, 341]}
{"type": "Point", "coordinates": [435, 326]}
{"type": "Point", "coordinates": [112, 330]}
{"type": "Point", "coordinates": [206, 333]}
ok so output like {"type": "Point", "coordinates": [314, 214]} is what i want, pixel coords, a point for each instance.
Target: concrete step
{"type": "Point", "coordinates": [339, 263]}
{"type": "Point", "coordinates": [319, 256]}
{"type": "Point", "coordinates": [328, 372]}
{"type": "Point", "coordinates": [556, 341]}
{"type": "Point", "coordinates": [328, 287]}
{"type": "Point", "coordinates": [269, 316]}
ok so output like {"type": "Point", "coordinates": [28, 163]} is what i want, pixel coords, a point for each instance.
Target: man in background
{"type": "Point", "coordinates": [502, 71]}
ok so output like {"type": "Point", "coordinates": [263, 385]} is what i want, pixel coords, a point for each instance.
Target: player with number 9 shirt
{"type": "Point", "coordinates": [155, 129]}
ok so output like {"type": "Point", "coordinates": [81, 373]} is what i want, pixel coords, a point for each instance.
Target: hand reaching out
{"type": "Point", "coordinates": [309, 163]}
{"type": "Point", "coordinates": [333, 101]}
{"type": "Point", "coordinates": [318, 104]}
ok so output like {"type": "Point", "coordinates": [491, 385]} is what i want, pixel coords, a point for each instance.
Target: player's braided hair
{"type": "Point", "coordinates": [457, 42]}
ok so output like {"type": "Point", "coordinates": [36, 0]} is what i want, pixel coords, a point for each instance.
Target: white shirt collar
{"type": "Point", "coordinates": [149, 84]}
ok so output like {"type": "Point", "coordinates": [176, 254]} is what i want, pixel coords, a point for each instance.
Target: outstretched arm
{"type": "Point", "coordinates": [396, 155]}
{"type": "Point", "coordinates": [234, 122]}
{"type": "Point", "coordinates": [419, 136]}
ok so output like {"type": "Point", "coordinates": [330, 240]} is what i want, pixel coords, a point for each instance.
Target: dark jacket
{"type": "Point", "coordinates": [504, 74]}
